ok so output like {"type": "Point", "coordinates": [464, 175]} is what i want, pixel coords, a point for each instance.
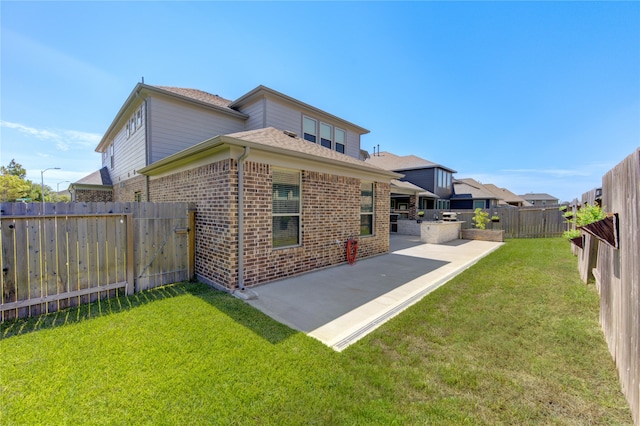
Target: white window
{"type": "Point", "coordinates": [111, 161]}
{"type": "Point", "coordinates": [366, 208]}
{"type": "Point", "coordinates": [340, 140]}
{"type": "Point", "coordinates": [326, 136]}
{"type": "Point", "coordinates": [309, 129]}
{"type": "Point", "coordinates": [285, 208]}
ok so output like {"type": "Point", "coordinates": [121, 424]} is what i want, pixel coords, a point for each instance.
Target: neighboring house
{"type": "Point", "coordinates": [434, 179]}
{"type": "Point", "coordinates": [506, 197]}
{"type": "Point", "coordinates": [279, 185]}
{"type": "Point", "coordinates": [470, 194]}
{"type": "Point", "coordinates": [540, 199]}
{"type": "Point", "coordinates": [93, 188]}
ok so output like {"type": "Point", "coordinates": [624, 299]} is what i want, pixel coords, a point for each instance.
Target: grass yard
{"type": "Point", "coordinates": [513, 340]}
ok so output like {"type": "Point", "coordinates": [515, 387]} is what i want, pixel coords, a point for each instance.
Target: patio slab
{"type": "Point", "coordinates": [342, 304]}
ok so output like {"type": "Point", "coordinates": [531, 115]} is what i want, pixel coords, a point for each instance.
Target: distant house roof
{"type": "Point", "coordinates": [538, 196]}
{"type": "Point", "coordinates": [505, 196]}
{"type": "Point", "coordinates": [390, 161]}
{"type": "Point", "coordinates": [471, 188]}
{"type": "Point", "coordinates": [271, 140]}
{"type": "Point", "coordinates": [99, 177]}
{"type": "Point", "coordinates": [403, 187]}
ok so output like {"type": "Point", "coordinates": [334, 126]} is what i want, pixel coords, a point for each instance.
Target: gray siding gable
{"type": "Point", "coordinates": [268, 110]}
{"type": "Point", "coordinates": [175, 126]}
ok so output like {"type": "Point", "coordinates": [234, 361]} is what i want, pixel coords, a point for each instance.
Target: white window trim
{"type": "Point", "coordinates": [343, 143]}
{"type": "Point", "coordinates": [305, 117]}
{"type": "Point", "coordinates": [331, 135]}
{"type": "Point", "coordinates": [373, 209]}
{"type": "Point", "coordinates": [299, 214]}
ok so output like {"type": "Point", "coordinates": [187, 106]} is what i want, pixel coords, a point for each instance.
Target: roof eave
{"type": "Point", "coordinates": [184, 157]}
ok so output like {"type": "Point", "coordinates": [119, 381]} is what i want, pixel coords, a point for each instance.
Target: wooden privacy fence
{"type": "Point", "coordinates": [72, 253]}
{"type": "Point", "coordinates": [617, 276]}
{"type": "Point", "coordinates": [517, 222]}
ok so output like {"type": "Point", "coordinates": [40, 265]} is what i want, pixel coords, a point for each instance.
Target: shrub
{"type": "Point", "coordinates": [480, 218]}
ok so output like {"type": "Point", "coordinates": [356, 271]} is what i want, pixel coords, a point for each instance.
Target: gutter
{"type": "Point", "coordinates": [241, 159]}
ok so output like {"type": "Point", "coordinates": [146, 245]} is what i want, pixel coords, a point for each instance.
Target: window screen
{"type": "Point", "coordinates": [286, 208]}
{"type": "Point", "coordinates": [366, 208]}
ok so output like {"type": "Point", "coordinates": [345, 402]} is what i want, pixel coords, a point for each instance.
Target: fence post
{"type": "Point", "coordinates": [130, 255]}
{"type": "Point", "coordinates": [191, 267]}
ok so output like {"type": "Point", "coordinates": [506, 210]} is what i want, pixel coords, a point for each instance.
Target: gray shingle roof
{"type": "Point", "coordinates": [274, 140]}
{"type": "Point", "coordinates": [198, 95]}
{"type": "Point", "coordinates": [99, 177]}
{"type": "Point", "coordinates": [471, 188]}
{"type": "Point", "coordinates": [505, 195]}
{"type": "Point", "coordinates": [390, 161]}
{"type": "Point", "coordinates": [279, 139]}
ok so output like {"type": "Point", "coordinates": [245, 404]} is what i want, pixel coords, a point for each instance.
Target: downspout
{"type": "Point", "coordinates": [146, 143]}
{"type": "Point", "coordinates": [147, 154]}
{"type": "Point", "coordinates": [241, 217]}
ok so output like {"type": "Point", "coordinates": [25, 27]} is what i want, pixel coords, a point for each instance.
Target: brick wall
{"type": "Point", "coordinates": [92, 195]}
{"type": "Point", "coordinates": [330, 213]}
{"type": "Point", "coordinates": [216, 224]}
{"type": "Point", "coordinates": [125, 191]}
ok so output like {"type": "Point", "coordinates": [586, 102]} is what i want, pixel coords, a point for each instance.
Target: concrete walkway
{"type": "Point", "coordinates": [341, 304]}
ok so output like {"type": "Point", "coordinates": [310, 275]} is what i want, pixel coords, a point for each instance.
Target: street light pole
{"type": "Point", "coordinates": [42, 183]}
{"type": "Point", "coordinates": [58, 184]}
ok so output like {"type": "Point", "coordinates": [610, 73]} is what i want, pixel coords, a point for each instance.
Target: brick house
{"type": "Point", "coordinates": [305, 189]}
{"type": "Point", "coordinates": [434, 182]}
{"type": "Point", "coordinates": [95, 187]}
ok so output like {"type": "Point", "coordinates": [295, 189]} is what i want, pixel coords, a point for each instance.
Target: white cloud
{"type": "Point", "coordinates": [64, 139]}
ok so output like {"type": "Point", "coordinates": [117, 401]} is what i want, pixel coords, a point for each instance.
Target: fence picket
{"type": "Point", "coordinates": [79, 252]}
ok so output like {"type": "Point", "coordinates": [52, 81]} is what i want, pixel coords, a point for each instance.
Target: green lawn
{"type": "Point", "coordinates": [513, 340]}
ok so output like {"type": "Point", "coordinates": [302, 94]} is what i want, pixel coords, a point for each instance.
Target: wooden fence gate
{"type": "Point", "coordinates": [60, 255]}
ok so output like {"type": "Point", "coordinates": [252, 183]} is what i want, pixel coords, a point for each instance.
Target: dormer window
{"type": "Point", "coordinates": [340, 140]}
{"type": "Point", "coordinates": [329, 136]}
{"type": "Point", "coordinates": [309, 129]}
{"type": "Point", "coordinates": [326, 136]}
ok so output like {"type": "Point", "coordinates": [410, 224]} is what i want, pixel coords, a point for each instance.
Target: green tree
{"type": "Point", "coordinates": [14, 169]}
{"type": "Point", "coordinates": [13, 187]}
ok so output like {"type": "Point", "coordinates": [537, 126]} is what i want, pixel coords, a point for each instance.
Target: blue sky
{"type": "Point", "coordinates": [531, 96]}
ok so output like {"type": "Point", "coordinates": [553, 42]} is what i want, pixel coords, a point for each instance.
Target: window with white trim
{"type": "Point", "coordinates": [134, 123]}
{"type": "Point", "coordinates": [326, 135]}
{"type": "Point", "coordinates": [366, 208]}
{"type": "Point", "coordinates": [323, 133]}
{"type": "Point", "coordinates": [309, 129]}
{"type": "Point", "coordinates": [285, 208]}
{"type": "Point", "coordinates": [341, 137]}
{"type": "Point", "coordinates": [111, 161]}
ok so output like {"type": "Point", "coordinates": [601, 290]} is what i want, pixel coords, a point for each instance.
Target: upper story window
{"type": "Point", "coordinates": [111, 161]}
{"type": "Point", "coordinates": [309, 129]}
{"type": "Point", "coordinates": [134, 123]}
{"type": "Point", "coordinates": [326, 136]}
{"type": "Point", "coordinates": [329, 136]}
{"type": "Point", "coordinates": [444, 179]}
{"type": "Point", "coordinates": [340, 136]}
